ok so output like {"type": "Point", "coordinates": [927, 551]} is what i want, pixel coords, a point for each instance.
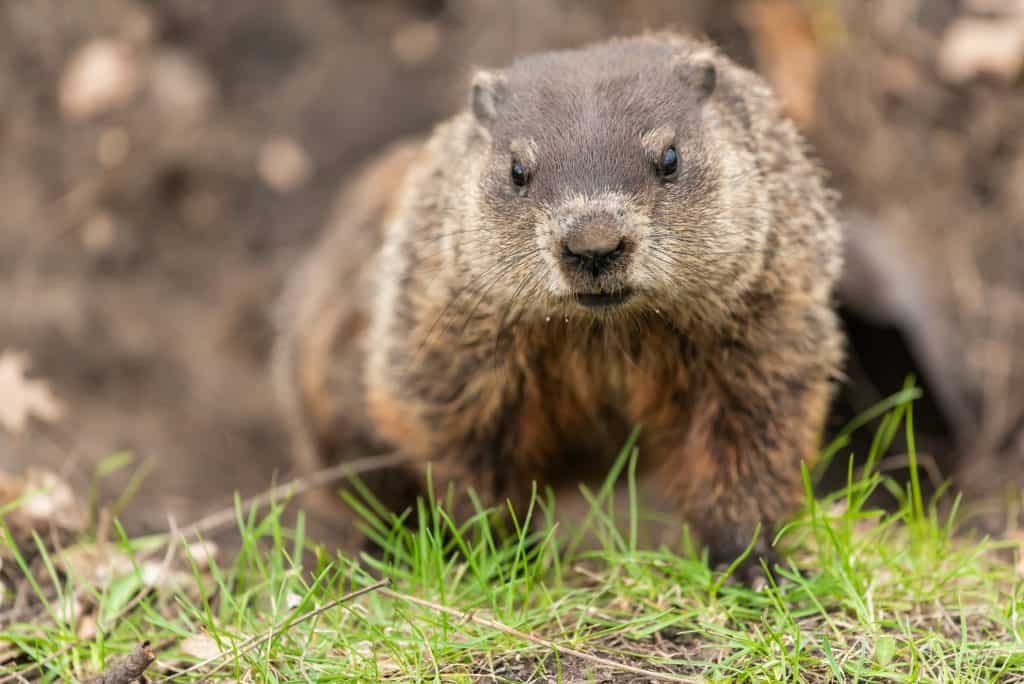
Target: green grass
{"type": "Point", "coordinates": [901, 595]}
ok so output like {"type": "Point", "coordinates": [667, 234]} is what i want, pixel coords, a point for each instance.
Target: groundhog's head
{"type": "Point", "coordinates": [615, 178]}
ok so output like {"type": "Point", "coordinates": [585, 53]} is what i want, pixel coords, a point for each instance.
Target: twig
{"type": "Point", "coordinates": [128, 669]}
{"type": "Point", "coordinates": [226, 517]}
{"type": "Point", "coordinates": [259, 640]}
{"type": "Point", "coordinates": [925, 461]}
{"type": "Point", "coordinates": [25, 673]}
{"type": "Point", "coordinates": [14, 614]}
{"type": "Point", "coordinates": [297, 486]}
{"type": "Point", "coordinates": [485, 622]}
{"type": "Point", "coordinates": [107, 624]}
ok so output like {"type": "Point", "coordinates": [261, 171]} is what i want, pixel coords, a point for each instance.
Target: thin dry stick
{"type": "Point", "coordinates": [297, 486]}
{"type": "Point", "coordinates": [597, 660]}
{"type": "Point", "coordinates": [106, 625]}
{"type": "Point", "coordinates": [227, 517]}
{"type": "Point", "coordinates": [30, 670]}
{"type": "Point", "coordinates": [259, 640]}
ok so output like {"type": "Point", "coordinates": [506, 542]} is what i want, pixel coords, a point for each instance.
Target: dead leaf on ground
{"type": "Point", "coordinates": [99, 565]}
{"type": "Point", "coordinates": [88, 628]}
{"type": "Point", "coordinates": [202, 553]}
{"type": "Point", "coordinates": [46, 500]}
{"type": "Point", "coordinates": [201, 646]}
{"type": "Point", "coordinates": [157, 576]}
{"type": "Point", "coordinates": [284, 164]}
{"type": "Point", "coordinates": [93, 565]}
{"type": "Point", "coordinates": [974, 47]}
{"type": "Point", "coordinates": [22, 397]}
{"type": "Point", "coordinates": [386, 665]}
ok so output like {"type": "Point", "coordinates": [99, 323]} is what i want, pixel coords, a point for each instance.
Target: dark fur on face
{"type": "Point", "coordinates": [590, 129]}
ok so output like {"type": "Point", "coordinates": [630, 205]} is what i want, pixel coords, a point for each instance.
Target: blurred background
{"type": "Point", "coordinates": [164, 164]}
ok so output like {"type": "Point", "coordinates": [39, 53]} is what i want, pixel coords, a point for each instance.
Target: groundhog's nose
{"type": "Point", "coordinates": [593, 248]}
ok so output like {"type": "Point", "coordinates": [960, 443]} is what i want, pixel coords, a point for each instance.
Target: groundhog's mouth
{"type": "Point", "coordinates": [599, 299]}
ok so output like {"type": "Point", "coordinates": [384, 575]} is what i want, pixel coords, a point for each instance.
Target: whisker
{"type": "Point", "coordinates": [494, 281]}
{"type": "Point", "coordinates": [536, 284]}
{"type": "Point", "coordinates": [468, 288]}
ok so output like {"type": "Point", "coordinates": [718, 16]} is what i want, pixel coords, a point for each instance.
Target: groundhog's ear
{"type": "Point", "coordinates": [698, 71]}
{"type": "Point", "coordinates": [486, 95]}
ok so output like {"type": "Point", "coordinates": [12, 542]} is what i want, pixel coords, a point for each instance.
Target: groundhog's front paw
{"type": "Point", "coordinates": [723, 552]}
{"type": "Point", "coordinates": [751, 572]}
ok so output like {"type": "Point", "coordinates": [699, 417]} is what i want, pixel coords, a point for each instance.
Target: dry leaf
{"type": "Point", "coordinates": [202, 553]}
{"type": "Point", "coordinates": [68, 610]}
{"type": "Point", "coordinates": [100, 564]}
{"type": "Point", "coordinates": [201, 646]}
{"type": "Point", "coordinates": [972, 47]}
{"type": "Point", "coordinates": [21, 397]}
{"type": "Point", "coordinates": [284, 164]}
{"type": "Point", "coordinates": [155, 575]}
{"type": "Point", "coordinates": [48, 499]}
{"type": "Point", "coordinates": [88, 628]}
{"type": "Point", "coordinates": [90, 564]}
{"type": "Point", "coordinates": [386, 665]}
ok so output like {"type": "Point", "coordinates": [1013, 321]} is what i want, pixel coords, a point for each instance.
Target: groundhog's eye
{"type": "Point", "coordinates": [669, 162]}
{"type": "Point", "coordinates": [519, 174]}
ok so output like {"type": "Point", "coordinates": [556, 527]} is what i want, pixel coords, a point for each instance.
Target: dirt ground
{"type": "Point", "coordinates": [145, 232]}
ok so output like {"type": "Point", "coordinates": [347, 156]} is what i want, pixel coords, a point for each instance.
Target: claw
{"type": "Point", "coordinates": [750, 571]}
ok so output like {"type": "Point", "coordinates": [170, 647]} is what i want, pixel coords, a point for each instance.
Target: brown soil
{"type": "Point", "coordinates": [141, 251]}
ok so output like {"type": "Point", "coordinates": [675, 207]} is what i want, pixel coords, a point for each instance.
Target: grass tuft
{"type": "Point", "coordinates": [899, 595]}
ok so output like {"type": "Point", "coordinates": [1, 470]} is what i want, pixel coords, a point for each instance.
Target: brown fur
{"type": "Point", "coordinates": [442, 314]}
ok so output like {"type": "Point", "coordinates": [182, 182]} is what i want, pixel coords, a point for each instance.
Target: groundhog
{"type": "Point", "coordinates": [625, 235]}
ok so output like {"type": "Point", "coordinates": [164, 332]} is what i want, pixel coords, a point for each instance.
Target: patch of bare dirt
{"type": "Point", "coordinates": [163, 165]}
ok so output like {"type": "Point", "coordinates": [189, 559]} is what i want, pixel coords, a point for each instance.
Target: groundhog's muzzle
{"type": "Point", "coordinates": [594, 256]}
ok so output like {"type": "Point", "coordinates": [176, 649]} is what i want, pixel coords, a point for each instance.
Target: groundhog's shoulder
{"type": "Point", "coordinates": [351, 236]}
{"type": "Point", "coordinates": [327, 299]}
{"type": "Point", "coordinates": [330, 294]}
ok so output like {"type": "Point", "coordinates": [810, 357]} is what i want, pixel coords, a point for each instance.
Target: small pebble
{"type": "Point", "coordinates": [284, 165]}
{"type": "Point", "coordinates": [98, 233]}
{"type": "Point", "coordinates": [416, 42]}
{"type": "Point", "coordinates": [99, 77]}
{"type": "Point", "coordinates": [181, 88]}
